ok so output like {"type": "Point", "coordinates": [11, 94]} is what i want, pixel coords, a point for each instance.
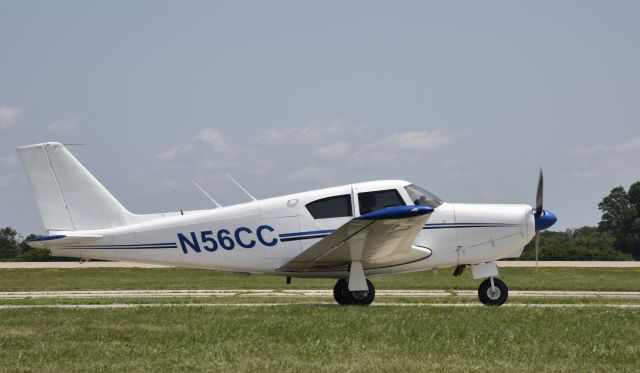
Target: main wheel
{"type": "Point", "coordinates": [340, 292]}
{"type": "Point", "coordinates": [493, 296]}
{"type": "Point", "coordinates": [362, 298]}
{"type": "Point", "coordinates": [343, 296]}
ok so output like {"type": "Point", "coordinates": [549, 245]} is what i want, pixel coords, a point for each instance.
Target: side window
{"type": "Point", "coordinates": [373, 201]}
{"type": "Point", "coordinates": [331, 207]}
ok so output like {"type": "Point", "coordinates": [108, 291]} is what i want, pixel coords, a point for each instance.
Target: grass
{"type": "Point", "coordinates": [613, 279]}
{"type": "Point", "coordinates": [311, 333]}
{"type": "Point", "coordinates": [319, 338]}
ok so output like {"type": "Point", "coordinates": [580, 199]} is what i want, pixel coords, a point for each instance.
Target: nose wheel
{"type": "Point", "coordinates": [345, 297]}
{"type": "Point", "coordinates": [493, 292]}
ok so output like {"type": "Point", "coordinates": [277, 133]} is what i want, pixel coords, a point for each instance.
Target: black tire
{"type": "Point", "coordinates": [488, 297]}
{"type": "Point", "coordinates": [344, 297]}
{"type": "Point", "coordinates": [340, 292]}
{"type": "Point", "coordinates": [362, 298]}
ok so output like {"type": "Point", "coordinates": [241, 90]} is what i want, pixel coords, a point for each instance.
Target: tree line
{"type": "Point", "coordinates": [14, 250]}
{"type": "Point", "coordinates": [617, 236]}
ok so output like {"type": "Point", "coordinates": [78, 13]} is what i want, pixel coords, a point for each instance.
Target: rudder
{"type": "Point", "coordinates": [68, 196]}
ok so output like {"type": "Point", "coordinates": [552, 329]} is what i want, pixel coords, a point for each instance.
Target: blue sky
{"type": "Point", "coordinates": [467, 99]}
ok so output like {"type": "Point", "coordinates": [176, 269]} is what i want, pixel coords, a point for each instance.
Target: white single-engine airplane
{"type": "Point", "coordinates": [347, 232]}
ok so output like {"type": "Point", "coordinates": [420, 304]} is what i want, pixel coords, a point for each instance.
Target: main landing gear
{"type": "Point", "coordinates": [345, 297]}
{"type": "Point", "coordinates": [356, 290]}
{"type": "Point", "coordinates": [492, 291]}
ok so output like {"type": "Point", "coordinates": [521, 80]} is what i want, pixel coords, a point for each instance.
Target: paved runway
{"type": "Point", "coordinates": [565, 264]}
{"type": "Point", "coordinates": [86, 294]}
{"type": "Point", "coordinates": [301, 295]}
{"type": "Point", "coordinates": [504, 264]}
{"type": "Point", "coordinates": [432, 305]}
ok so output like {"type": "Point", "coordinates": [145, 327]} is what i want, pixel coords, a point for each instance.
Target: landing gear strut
{"type": "Point", "coordinates": [493, 292]}
{"type": "Point", "coordinates": [345, 297]}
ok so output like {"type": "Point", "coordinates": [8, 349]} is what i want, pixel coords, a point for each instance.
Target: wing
{"type": "Point", "coordinates": [379, 239]}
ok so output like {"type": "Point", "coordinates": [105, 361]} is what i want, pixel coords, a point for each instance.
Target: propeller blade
{"type": "Point", "coordinates": [537, 247]}
{"type": "Point", "coordinates": [539, 210]}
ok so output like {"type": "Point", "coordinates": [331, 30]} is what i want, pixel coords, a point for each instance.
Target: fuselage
{"type": "Point", "coordinates": [262, 236]}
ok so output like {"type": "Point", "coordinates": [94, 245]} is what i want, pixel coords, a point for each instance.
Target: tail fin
{"type": "Point", "coordinates": [68, 196]}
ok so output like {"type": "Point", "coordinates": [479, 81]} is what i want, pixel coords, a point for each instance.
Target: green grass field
{"type": "Point", "coordinates": [326, 338]}
{"type": "Point", "coordinates": [262, 333]}
{"type": "Point", "coordinates": [613, 279]}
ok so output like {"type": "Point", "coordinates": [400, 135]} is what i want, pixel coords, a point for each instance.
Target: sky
{"type": "Point", "coordinates": [465, 98]}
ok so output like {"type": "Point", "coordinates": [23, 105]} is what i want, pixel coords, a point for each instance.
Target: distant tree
{"type": "Point", "coordinates": [35, 254]}
{"type": "Point", "coordinates": [32, 254]}
{"type": "Point", "coordinates": [8, 244]}
{"type": "Point", "coordinates": [23, 245]}
{"type": "Point", "coordinates": [586, 243]}
{"type": "Point", "coordinates": [621, 218]}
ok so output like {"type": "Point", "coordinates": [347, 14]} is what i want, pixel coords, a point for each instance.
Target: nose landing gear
{"type": "Point", "coordinates": [493, 292]}
{"type": "Point", "coordinates": [345, 297]}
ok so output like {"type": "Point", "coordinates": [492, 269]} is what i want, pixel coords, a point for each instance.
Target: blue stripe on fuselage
{"type": "Point", "coordinates": [469, 225]}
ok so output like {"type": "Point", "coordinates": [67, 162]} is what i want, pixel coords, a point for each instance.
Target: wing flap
{"type": "Point", "coordinates": [382, 238]}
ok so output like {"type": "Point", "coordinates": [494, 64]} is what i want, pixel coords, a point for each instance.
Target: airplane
{"type": "Point", "coordinates": [348, 232]}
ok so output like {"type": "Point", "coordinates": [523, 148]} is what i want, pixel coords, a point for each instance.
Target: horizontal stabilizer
{"type": "Point", "coordinates": [61, 239]}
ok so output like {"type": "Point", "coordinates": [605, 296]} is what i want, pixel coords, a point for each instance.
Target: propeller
{"type": "Point", "coordinates": [539, 193]}
{"type": "Point", "coordinates": [539, 211]}
{"type": "Point", "coordinates": [543, 218]}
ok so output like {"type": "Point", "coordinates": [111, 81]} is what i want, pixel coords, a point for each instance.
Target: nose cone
{"type": "Point", "coordinates": [546, 220]}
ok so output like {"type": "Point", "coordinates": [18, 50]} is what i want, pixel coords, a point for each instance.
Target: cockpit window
{"type": "Point", "coordinates": [422, 197]}
{"type": "Point", "coordinates": [331, 207]}
{"type": "Point", "coordinates": [373, 201]}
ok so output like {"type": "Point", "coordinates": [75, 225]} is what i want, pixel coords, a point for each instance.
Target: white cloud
{"type": "Point", "coordinates": [333, 151]}
{"type": "Point", "coordinates": [64, 125]}
{"type": "Point", "coordinates": [320, 152]}
{"type": "Point", "coordinates": [314, 133]}
{"type": "Point", "coordinates": [633, 145]}
{"type": "Point", "coordinates": [630, 146]}
{"type": "Point", "coordinates": [212, 138]}
{"type": "Point", "coordinates": [311, 173]}
{"type": "Point", "coordinates": [389, 150]}
{"type": "Point", "coordinates": [422, 140]}
{"type": "Point", "coordinates": [606, 160]}
{"type": "Point", "coordinates": [8, 116]}
{"type": "Point", "coordinates": [208, 138]}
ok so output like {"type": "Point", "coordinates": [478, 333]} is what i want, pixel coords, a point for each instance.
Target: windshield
{"type": "Point", "coordinates": [422, 197]}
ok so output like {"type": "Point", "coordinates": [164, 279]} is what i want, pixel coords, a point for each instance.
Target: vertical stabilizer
{"type": "Point", "coordinates": [68, 196]}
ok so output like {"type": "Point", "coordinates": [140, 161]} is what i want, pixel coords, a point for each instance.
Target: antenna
{"type": "Point", "coordinates": [206, 194]}
{"type": "Point", "coordinates": [240, 186]}
{"type": "Point", "coordinates": [178, 199]}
